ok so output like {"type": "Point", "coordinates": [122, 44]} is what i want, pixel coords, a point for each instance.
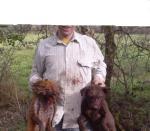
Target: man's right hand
{"type": "Point", "coordinates": [34, 79]}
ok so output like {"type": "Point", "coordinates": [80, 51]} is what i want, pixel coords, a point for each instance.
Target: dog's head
{"type": "Point", "coordinates": [94, 94]}
{"type": "Point", "coordinates": [46, 88]}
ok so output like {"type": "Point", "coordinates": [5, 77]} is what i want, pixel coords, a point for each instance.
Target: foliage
{"type": "Point", "coordinates": [131, 113]}
{"type": "Point", "coordinates": [12, 38]}
{"type": "Point", "coordinates": [131, 63]}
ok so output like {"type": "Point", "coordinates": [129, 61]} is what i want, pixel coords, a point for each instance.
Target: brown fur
{"type": "Point", "coordinates": [42, 108]}
{"type": "Point", "coordinates": [92, 110]}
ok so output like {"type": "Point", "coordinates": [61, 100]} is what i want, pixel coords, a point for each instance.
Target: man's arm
{"type": "Point", "coordinates": [99, 66]}
{"type": "Point", "coordinates": [37, 67]}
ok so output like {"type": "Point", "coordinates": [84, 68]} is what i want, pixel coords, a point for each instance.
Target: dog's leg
{"type": "Point", "coordinates": [82, 121]}
{"type": "Point", "coordinates": [39, 123]}
{"type": "Point", "coordinates": [30, 125]}
{"type": "Point", "coordinates": [49, 126]}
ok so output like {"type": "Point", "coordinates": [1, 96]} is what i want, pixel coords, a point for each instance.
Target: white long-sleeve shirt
{"type": "Point", "coordinates": [72, 67]}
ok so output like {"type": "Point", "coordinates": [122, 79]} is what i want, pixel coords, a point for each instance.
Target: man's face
{"type": "Point", "coordinates": [66, 30]}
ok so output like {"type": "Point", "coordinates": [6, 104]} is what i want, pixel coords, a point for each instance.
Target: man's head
{"type": "Point", "coordinates": [66, 31]}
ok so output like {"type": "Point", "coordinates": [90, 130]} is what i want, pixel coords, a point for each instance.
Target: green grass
{"type": "Point", "coordinates": [22, 67]}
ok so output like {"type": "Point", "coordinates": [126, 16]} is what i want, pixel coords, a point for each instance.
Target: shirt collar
{"type": "Point", "coordinates": [74, 39]}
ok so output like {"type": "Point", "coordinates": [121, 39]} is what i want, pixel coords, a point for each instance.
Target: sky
{"type": "Point", "coordinates": [76, 12]}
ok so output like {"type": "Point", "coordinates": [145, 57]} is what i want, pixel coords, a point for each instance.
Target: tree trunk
{"type": "Point", "coordinates": [110, 51]}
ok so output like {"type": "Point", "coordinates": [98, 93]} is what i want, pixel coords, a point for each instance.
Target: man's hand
{"type": "Point", "coordinates": [34, 79]}
{"type": "Point", "coordinates": [97, 80]}
{"type": "Point", "coordinates": [108, 122]}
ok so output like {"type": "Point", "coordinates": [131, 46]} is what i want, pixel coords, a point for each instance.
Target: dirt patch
{"type": "Point", "coordinates": [131, 114]}
{"type": "Point", "coordinates": [9, 119]}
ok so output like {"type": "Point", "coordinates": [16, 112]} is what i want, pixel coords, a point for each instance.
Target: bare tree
{"type": "Point", "coordinates": [110, 52]}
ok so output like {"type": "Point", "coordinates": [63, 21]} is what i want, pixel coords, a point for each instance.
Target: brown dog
{"type": "Point", "coordinates": [42, 109]}
{"type": "Point", "coordinates": [92, 110]}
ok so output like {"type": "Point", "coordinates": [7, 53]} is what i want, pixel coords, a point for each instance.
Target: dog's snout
{"type": "Point", "coordinates": [49, 94]}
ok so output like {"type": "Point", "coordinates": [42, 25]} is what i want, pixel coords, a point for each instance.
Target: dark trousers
{"type": "Point", "coordinates": [59, 127]}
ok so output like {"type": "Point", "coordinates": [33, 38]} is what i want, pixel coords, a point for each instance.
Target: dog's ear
{"type": "Point", "coordinates": [106, 89]}
{"type": "Point", "coordinates": [83, 91]}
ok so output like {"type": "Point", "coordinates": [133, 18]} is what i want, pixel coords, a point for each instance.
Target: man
{"type": "Point", "coordinates": [73, 61]}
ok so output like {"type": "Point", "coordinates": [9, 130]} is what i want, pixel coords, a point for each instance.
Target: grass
{"type": "Point", "coordinates": [22, 67]}
{"type": "Point", "coordinates": [23, 62]}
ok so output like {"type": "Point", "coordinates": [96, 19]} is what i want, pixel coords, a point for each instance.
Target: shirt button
{"type": "Point", "coordinates": [72, 109]}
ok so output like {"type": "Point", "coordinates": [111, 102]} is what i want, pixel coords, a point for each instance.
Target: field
{"type": "Point", "coordinates": [132, 110]}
